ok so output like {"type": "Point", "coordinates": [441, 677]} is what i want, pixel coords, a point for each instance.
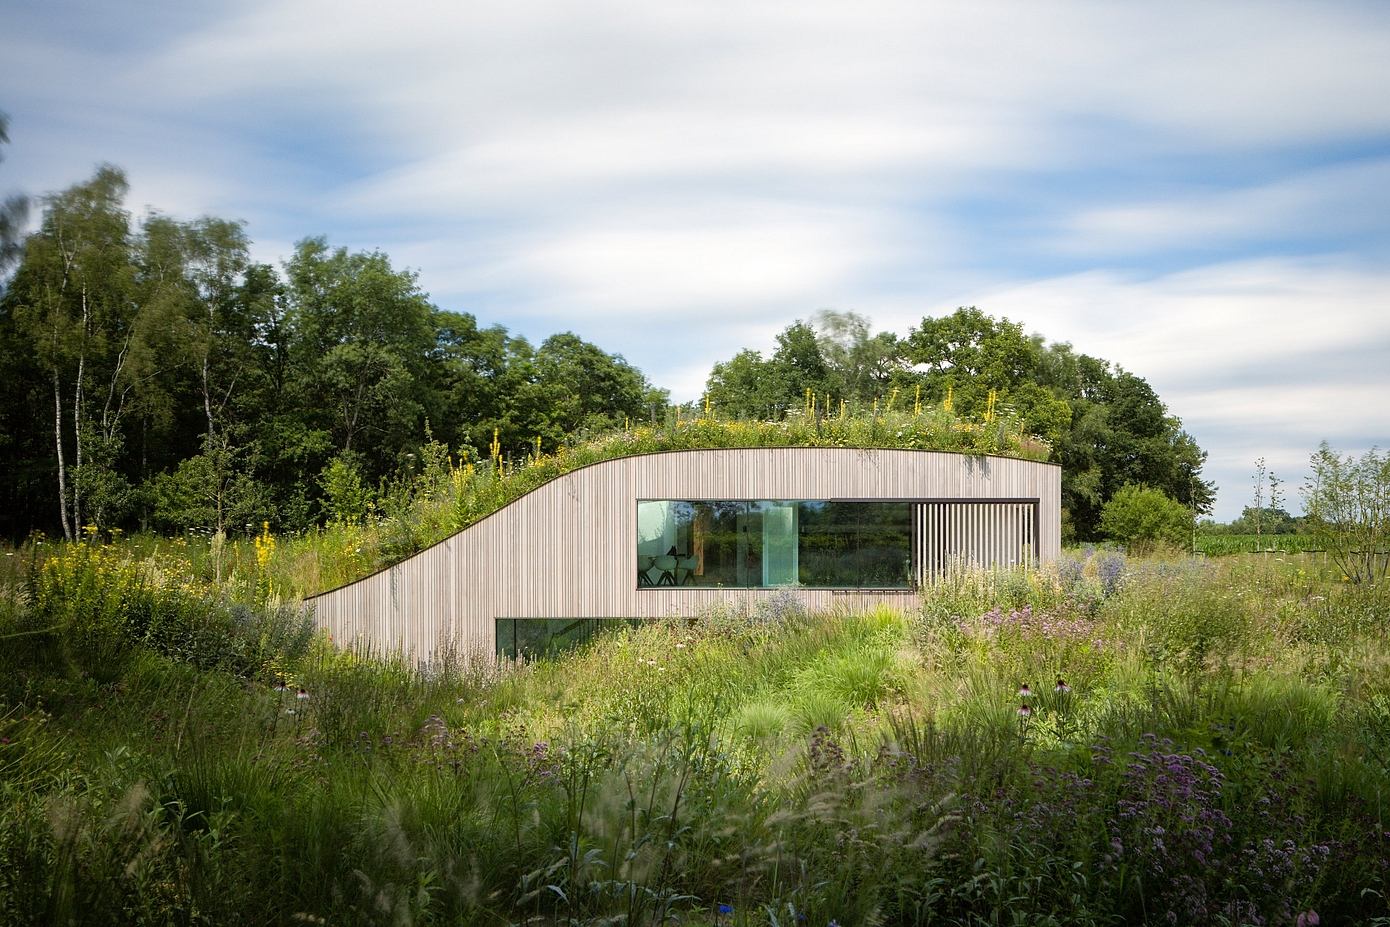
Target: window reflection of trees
{"type": "Point", "coordinates": [721, 543]}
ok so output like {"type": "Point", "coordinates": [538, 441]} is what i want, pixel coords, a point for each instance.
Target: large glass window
{"type": "Point", "coordinates": [762, 543]}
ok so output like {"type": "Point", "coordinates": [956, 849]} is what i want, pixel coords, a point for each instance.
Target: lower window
{"type": "Point", "coordinates": [538, 637]}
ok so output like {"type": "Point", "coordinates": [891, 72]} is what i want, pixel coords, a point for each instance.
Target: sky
{"type": "Point", "coordinates": [1196, 191]}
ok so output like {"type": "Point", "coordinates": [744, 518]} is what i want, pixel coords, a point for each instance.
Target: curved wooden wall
{"type": "Point", "coordinates": [568, 549]}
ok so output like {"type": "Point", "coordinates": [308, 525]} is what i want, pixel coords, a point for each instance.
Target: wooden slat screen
{"type": "Point", "coordinates": [989, 534]}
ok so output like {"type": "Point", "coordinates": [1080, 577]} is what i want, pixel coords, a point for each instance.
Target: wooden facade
{"type": "Point", "coordinates": [567, 549]}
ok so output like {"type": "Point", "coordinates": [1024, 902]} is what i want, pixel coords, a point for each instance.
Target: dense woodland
{"type": "Point", "coordinates": [160, 378]}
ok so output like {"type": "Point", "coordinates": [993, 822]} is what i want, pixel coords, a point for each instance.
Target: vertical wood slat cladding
{"type": "Point", "coordinates": [954, 534]}
{"type": "Point", "coordinates": [568, 549]}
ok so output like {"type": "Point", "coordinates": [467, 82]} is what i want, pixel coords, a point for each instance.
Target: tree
{"type": "Point", "coordinates": [1120, 432]}
{"type": "Point", "coordinates": [14, 211]}
{"type": "Point", "coordinates": [748, 385]}
{"type": "Point", "coordinates": [207, 491]}
{"type": "Point", "coordinates": [971, 356]}
{"type": "Point", "coordinates": [744, 387]}
{"type": "Point", "coordinates": [578, 386]}
{"type": "Point", "coordinates": [1107, 427]}
{"type": "Point", "coordinates": [217, 258]}
{"type": "Point", "coordinates": [1143, 518]}
{"type": "Point", "coordinates": [72, 299]}
{"type": "Point", "coordinates": [1347, 506]}
{"type": "Point", "coordinates": [862, 366]}
{"type": "Point", "coordinates": [363, 334]}
{"type": "Point", "coordinates": [470, 370]}
{"type": "Point", "coordinates": [1271, 520]}
{"type": "Point", "coordinates": [799, 365]}
{"type": "Point", "coordinates": [347, 499]}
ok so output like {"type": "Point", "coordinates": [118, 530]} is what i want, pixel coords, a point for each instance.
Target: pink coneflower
{"type": "Point", "coordinates": [1308, 918]}
{"type": "Point", "coordinates": [1062, 687]}
{"type": "Point", "coordinates": [1024, 691]}
{"type": "Point", "coordinates": [281, 687]}
{"type": "Point", "coordinates": [1025, 712]}
{"type": "Point", "coordinates": [301, 694]}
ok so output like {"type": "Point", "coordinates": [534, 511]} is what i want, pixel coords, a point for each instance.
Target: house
{"type": "Point", "coordinates": [677, 532]}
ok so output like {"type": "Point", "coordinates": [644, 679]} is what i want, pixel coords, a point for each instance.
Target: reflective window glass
{"type": "Point", "coordinates": [769, 543]}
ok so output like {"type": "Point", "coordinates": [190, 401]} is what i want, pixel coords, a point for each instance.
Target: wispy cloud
{"type": "Point", "coordinates": [1195, 190]}
{"type": "Point", "coordinates": [1346, 201]}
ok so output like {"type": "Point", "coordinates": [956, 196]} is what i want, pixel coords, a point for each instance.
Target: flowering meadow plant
{"type": "Point", "coordinates": [1204, 742]}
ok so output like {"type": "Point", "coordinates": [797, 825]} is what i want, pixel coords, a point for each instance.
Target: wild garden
{"type": "Point", "coordinates": [1105, 740]}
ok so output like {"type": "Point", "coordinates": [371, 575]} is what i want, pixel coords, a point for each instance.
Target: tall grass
{"type": "Point", "coordinates": [1205, 742]}
{"type": "Point", "coordinates": [1220, 545]}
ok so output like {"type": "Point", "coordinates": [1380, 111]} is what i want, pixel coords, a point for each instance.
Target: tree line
{"type": "Point", "coordinates": [1107, 427]}
{"type": "Point", "coordinates": [158, 377]}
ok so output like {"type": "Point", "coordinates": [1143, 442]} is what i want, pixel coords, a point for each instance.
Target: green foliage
{"type": "Point", "coordinates": [1218, 545]}
{"type": "Point", "coordinates": [347, 500]}
{"type": "Point", "coordinates": [855, 768]}
{"type": "Point", "coordinates": [1144, 518]}
{"type": "Point", "coordinates": [1347, 501]}
{"type": "Point", "coordinates": [206, 492]}
{"type": "Point", "coordinates": [90, 611]}
{"type": "Point", "coordinates": [14, 211]}
{"type": "Point", "coordinates": [1107, 426]}
{"type": "Point", "coordinates": [164, 360]}
{"type": "Point", "coordinates": [145, 345]}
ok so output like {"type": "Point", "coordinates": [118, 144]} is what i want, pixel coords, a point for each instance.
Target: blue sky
{"type": "Point", "coordinates": [1199, 192]}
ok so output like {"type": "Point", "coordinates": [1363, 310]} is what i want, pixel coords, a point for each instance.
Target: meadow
{"type": "Point", "coordinates": [1219, 545]}
{"type": "Point", "coordinates": [1102, 741]}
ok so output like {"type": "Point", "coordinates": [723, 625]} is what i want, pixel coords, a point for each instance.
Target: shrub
{"type": "Point", "coordinates": [1145, 518]}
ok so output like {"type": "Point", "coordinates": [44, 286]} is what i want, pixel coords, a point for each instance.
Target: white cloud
{"type": "Point", "coordinates": [1258, 358]}
{"type": "Point", "coordinates": [717, 169]}
{"type": "Point", "coordinates": [1188, 324]}
{"type": "Point", "coordinates": [1342, 200]}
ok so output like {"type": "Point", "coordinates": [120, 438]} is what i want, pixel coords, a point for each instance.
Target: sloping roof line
{"type": "Point", "coordinates": [687, 450]}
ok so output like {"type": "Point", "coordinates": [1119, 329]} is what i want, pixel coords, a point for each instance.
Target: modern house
{"type": "Point", "coordinates": [674, 533]}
